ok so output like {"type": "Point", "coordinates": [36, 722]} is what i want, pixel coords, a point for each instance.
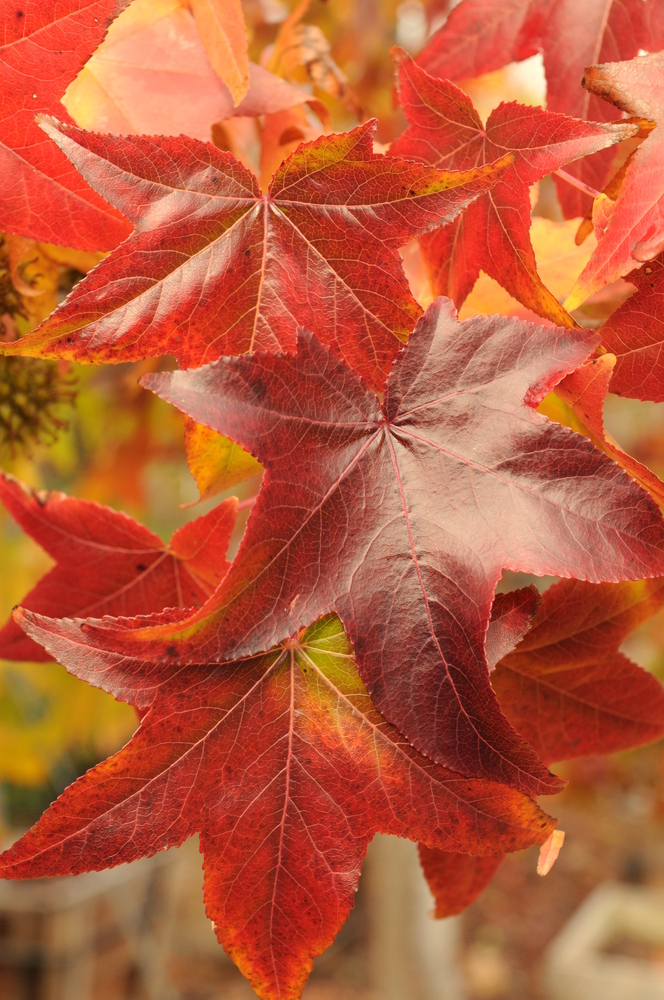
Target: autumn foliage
{"type": "Point", "coordinates": [351, 669]}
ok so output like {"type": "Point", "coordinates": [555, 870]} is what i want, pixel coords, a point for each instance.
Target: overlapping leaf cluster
{"type": "Point", "coordinates": [351, 671]}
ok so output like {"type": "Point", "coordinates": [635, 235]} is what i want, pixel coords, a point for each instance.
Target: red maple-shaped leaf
{"type": "Point", "coordinates": [109, 564]}
{"type": "Point", "coordinates": [400, 518]}
{"type": "Point", "coordinates": [493, 234]}
{"type": "Point", "coordinates": [635, 334]}
{"type": "Point", "coordinates": [215, 267]}
{"type": "Point", "coordinates": [43, 45]}
{"type": "Point", "coordinates": [286, 770]}
{"type": "Point", "coordinates": [634, 230]}
{"type": "Point", "coordinates": [567, 688]}
{"type": "Point", "coordinates": [482, 35]}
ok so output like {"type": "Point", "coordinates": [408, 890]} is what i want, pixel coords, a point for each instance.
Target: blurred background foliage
{"type": "Point", "coordinates": [94, 433]}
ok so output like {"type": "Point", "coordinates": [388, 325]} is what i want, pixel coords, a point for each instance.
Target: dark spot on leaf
{"type": "Point", "coordinates": [141, 568]}
{"type": "Point", "coordinates": [171, 651]}
{"type": "Point", "coordinates": [258, 388]}
{"type": "Point", "coordinates": [20, 14]}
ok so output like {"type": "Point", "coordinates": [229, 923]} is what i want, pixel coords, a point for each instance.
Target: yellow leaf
{"type": "Point", "coordinates": [152, 76]}
{"type": "Point", "coordinates": [559, 263]}
{"type": "Point", "coordinates": [78, 260]}
{"type": "Point", "coordinates": [281, 134]}
{"type": "Point", "coordinates": [523, 82]}
{"type": "Point", "coordinates": [417, 274]}
{"type": "Point", "coordinates": [216, 463]}
{"type": "Point", "coordinates": [45, 713]}
{"type": "Point", "coordinates": [559, 260]}
{"type": "Point", "coordinates": [488, 297]}
{"type": "Point", "coordinates": [35, 277]}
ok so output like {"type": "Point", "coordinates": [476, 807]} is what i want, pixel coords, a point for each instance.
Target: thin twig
{"type": "Point", "coordinates": [247, 503]}
{"type": "Point", "coordinates": [575, 182]}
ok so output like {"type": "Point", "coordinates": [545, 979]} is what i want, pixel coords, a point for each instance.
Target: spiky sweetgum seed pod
{"type": "Point", "coordinates": [30, 391]}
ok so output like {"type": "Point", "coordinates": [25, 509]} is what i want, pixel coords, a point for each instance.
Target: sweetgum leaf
{"type": "Point", "coordinates": [635, 334]}
{"type": "Point", "coordinates": [634, 232]}
{"type": "Point", "coordinates": [215, 267]}
{"type": "Point", "coordinates": [456, 880]}
{"type": "Point", "coordinates": [493, 234]}
{"type": "Point", "coordinates": [482, 35]}
{"type": "Point", "coordinates": [400, 517]}
{"type": "Point", "coordinates": [286, 770]}
{"type": "Point", "coordinates": [567, 688]}
{"type": "Point", "coordinates": [43, 45]}
{"type": "Point", "coordinates": [109, 564]}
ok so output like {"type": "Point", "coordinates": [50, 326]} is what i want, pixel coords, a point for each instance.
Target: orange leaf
{"type": "Point", "coordinates": [221, 26]}
{"type": "Point", "coordinates": [549, 851]}
{"type": "Point", "coordinates": [585, 391]}
{"type": "Point", "coordinates": [215, 462]}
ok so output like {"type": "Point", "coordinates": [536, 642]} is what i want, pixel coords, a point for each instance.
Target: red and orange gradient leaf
{"type": "Point", "coordinates": [512, 615]}
{"type": "Point", "coordinates": [482, 35]}
{"type": "Point", "coordinates": [109, 564]}
{"type": "Point", "coordinates": [635, 334]}
{"type": "Point", "coordinates": [493, 234]}
{"type": "Point", "coordinates": [285, 769]}
{"type": "Point", "coordinates": [214, 267]}
{"type": "Point", "coordinates": [456, 880]}
{"type": "Point", "coordinates": [567, 689]}
{"type": "Point", "coordinates": [584, 392]}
